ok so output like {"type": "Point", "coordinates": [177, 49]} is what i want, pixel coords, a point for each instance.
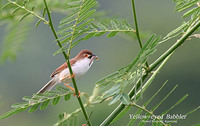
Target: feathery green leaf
{"type": "Point", "coordinates": [45, 104]}
{"type": "Point", "coordinates": [125, 99]}
{"type": "Point", "coordinates": [55, 100]}
{"type": "Point", "coordinates": [115, 99]}
{"type": "Point", "coordinates": [34, 107]}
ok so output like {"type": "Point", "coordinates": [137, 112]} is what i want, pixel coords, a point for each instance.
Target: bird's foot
{"type": "Point", "coordinates": [79, 94]}
{"type": "Point", "coordinates": [68, 76]}
{"type": "Point", "coordinates": [72, 75]}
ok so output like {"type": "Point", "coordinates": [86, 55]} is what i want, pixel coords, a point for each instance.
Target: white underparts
{"type": "Point", "coordinates": [79, 68]}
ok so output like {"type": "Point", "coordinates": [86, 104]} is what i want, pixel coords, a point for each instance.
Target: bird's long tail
{"type": "Point", "coordinates": [48, 86]}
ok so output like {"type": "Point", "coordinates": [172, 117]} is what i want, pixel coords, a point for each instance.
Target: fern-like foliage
{"type": "Point", "coordinates": [68, 119]}
{"type": "Point", "coordinates": [39, 101]}
{"type": "Point", "coordinates": [114, 84]}
{"type": "Point", "coordinates": [149, 113]}
{"type": "Point", "coordinates": [192, 8]}
{"type": "Point", "coordinates": [13, 14]}
{"type": "Point", "coordinates": [78, 26]}
{"type": "Point", "coordinates": [15, 11]}
{"type": "Point", "coordinates": [13, 42]}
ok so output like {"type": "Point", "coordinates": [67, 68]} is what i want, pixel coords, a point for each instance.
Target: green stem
{"type": "Point", "coordinates": [136, 24]}
{"type": "Point", "coordinates": [68, 63]}
{"type": "Point", "coordinates": [109, 119]}
{"type": "Point", "coordinates": [175, 46]}
{"type": "Point", "coordinates": [29, 11]}
{"type": "Point", "coordinates": [136, 28]}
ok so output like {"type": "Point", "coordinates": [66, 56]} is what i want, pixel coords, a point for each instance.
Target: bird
{"type": "Point", "coordinates": [80, 64]}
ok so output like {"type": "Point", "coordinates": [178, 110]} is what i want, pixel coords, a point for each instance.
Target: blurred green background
{"type": "Point", "coordinates": [35, 63]}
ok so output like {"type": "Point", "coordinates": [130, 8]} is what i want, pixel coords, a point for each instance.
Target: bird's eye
{"type": "Point", "coordinates": [86, 55]}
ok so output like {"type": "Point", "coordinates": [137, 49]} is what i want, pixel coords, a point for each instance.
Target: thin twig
{"type": "Point", "coordinates": [29, 11]}
{"type": "Point", "coordinates": [137, 29]}
{"type": "Point", "coordinates": [68, 63]}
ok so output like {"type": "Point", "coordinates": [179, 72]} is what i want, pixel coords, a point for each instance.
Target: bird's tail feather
{"type": "Point", "coordinates": [48, 86]}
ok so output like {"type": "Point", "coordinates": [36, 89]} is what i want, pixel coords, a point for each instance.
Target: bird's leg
{"type": "Point", "coordinates": [72, 75]}
{"type": "Point", "coordinates": [68, 76]}
{"type": "Point", "coordinates": [79, 93]}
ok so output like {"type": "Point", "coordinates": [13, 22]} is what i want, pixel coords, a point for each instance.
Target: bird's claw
{"type": "Point", "coordinates": [72, 75]}
{"type": "Point", "coordinates": [68, 76]}
{"type": "Point", "coordinates": [79, 94]}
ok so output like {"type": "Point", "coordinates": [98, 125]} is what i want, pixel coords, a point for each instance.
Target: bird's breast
{"type": "Point", "coordinates": [79, 68]}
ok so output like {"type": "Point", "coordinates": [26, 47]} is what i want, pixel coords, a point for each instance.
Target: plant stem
{"type": "Point", "coordinates": [68, 63]}
{"type": "Point", "coordinates": [109, 119]}
{"type": "Point", "coordinates": [136, 28]}
{"type": "Point", "coordinates": [175, 46]}
{"type": "Point", "coordinates": [29, 11]}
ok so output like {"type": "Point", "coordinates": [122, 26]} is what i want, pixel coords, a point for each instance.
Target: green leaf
{"type": "Point", "coordinates": [21, 105]}
{"type": "Point", "coordinates": [38, 22]}
{"type": "Point", "coordinates": [55, 100]}
{"type": "Point", "coordinates": [115, 99]}
{"type": "Point", "coordinates": [14, 111]}
{"type": "Point", "coordinates": [87, 3]}
{"type": "Point", "coordinates": [84, 24]}
{"type": "Point", "coordinates": [34, 107]}
{"type": "Point", "coordinates": [45, 104]}
{"type": "Point", "coordinates": [178, 102]}
{"type": "Point", "coordinates": [125, 24]}
{"type": "Point", "coordinates": [191, 12]}
{"type": "Point", "coordinates": [115, 24]}
{"type": "Point", "coordinates": [186, 6]}
{"type": "Point", "coordinates": [50, 93]}
{"type": "Point", "coordinates": [93, 26]}
{"type": "Point", "coordinates": [7, 4]}
{"type": "Point", "coordinates": [26, 98]}
{"type": "Point", "coordinates": [33, 7]}
{"type": "Point", "coordinates": [76, 42]}
{"type": "Point", "coordinates": [73, 8]}
{"type": "Point", "coordinates": [86, 16]}
{"type": "Point", "coordinates": [99, 34]}
{"type": "Point", "coordinates": [65, 29]}
{"type": "Point", "coordinates": [66, 40]}
{"type": "Point", "coordinates": [176, 30]}
{"type": "Point", "coordinates": [44, 12]}
{"type": "Point", "coordinates": [67, 20]}
{"type": "Point", "coordinates": [103, 26]}
{"type": "Point", "coordinates": [15, 10]}
{"type": "Point", "coordinates": [25, 15]}
{"type": "Point", "coordinates": [87, 7]}
{"type": "Point", "coordinates": [62, 89]}
{"type": "Point", "coordinates": [39, 96]}
{"type": "Point", "coordinates": [155, 107]}
{"type": "Point", "coordinates": [125, 99]}
{"type": "Point", "coordinates": [67, 97]}
{"type": "Point", "coordinates": [80, 33]}
{"type": "Point", "coordinates": [89, 36]}
{"type": "Point", "coordinates": [113, 33]}
{"type": "Point", "coordinates": [59, 50]}
{"type": "Point", "coordinates": [75, 2]}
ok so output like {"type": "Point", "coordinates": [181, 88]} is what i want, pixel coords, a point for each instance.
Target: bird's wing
{"type": "Point", "coordinates": [62, 67]}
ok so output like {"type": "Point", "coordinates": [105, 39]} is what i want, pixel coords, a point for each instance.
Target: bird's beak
{"type": "Point", "coordinates": [93, 58]}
